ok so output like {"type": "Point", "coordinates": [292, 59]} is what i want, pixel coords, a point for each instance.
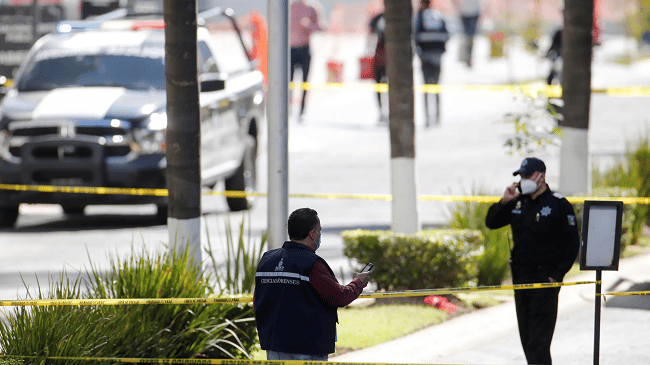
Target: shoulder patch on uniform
{"type": "Point", "coordinates": [558, 195]}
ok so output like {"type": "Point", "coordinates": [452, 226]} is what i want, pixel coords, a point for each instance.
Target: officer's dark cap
{"type": "Point", "coordinates": [530, 165]}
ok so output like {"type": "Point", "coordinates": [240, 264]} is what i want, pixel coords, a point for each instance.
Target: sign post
{"type": "Point", "coordinates": [600, 249]}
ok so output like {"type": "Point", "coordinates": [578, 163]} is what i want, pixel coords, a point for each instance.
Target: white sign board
{"type": "Point", "coordinates": [601, 235]}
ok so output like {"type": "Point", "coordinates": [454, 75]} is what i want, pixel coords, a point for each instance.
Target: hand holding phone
{"type": "Point", "coordinates": [364, 275]}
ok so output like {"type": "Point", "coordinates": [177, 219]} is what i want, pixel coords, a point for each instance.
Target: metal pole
{"type": "Point", "coordinates": [36, 20]}
{"type": "Point", "coordinates": [597, 319]}
{"type": "Point", "coordinates": [277, 111]}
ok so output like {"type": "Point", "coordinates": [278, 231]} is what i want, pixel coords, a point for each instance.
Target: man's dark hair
{"type": "Point", "coordinates": [301, 221]}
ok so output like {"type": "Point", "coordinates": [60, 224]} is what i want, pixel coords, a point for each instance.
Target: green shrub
{"type": "Point", "coordinates": [11, 362]}
{"type": "Point", "coordinates": [493, 264]}
{"type": "Point", "coordinates": [632, 173]}
{"type": "Point", "coordinates": [535, 124]}
{"type": "Point", "coordinates": [168, 331]}
{"type": "Point", "coordinates": [132, 331]}
{"type": "Point", "coordinates": [53, 330]}
{"type": "Point", "coordinates": [429, 259]}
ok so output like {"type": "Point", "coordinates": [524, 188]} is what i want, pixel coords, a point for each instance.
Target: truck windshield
{"type": "Point", "coordinates": [131, 72]}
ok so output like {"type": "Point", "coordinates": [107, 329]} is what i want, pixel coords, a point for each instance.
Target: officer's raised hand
{"type": "Point", "coordinates": [510, 193]}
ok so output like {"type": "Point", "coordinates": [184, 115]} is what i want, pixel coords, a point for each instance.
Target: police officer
{"type": "Point", "coordinates": [545, 247]}
{"type": "Point", "coordinates": [297, 295]}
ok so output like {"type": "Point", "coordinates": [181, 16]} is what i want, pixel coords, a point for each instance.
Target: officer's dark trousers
{"type": "Point", "coordinates": [536, 313]}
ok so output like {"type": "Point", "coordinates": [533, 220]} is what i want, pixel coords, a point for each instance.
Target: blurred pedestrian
{"type": "Point", "coordinates": [378, 29]}
{"type": "Point", "coordinates": [470, 11]}
{"type": "Point", "coordinates": [554, 54]}
{"type": "Point", "coordinates": [297, 295]}
{"type": "Point", "coordinates": [304, 21]}
{"type": "Point", "coordinates": [431, 35]}
{"type": "Point", "coordinates": [260, 36]}
{"type": "Point", "coordinates": [546, 242]}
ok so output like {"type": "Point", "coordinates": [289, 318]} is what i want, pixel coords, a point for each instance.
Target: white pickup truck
{"type": "Point", "coordinates": [88, 108]}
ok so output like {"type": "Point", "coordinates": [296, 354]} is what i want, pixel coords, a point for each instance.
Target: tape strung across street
{"type": "Point", "coordinates": [191, 361]}
{"type": "Point", "coordinates": [248, 299]}
{"type": "Point", "coordinates": [529, 88]}
{"type": "Point", "coordinates": [241, 194]}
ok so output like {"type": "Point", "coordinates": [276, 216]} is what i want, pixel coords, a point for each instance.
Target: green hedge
{"type": "Point", "coordinates": [429, 259]}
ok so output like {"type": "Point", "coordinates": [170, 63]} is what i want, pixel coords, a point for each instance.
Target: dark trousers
{"type": "Point", "coordinates": [536, 313]}
{"type": "Point", "coordinates": [301, 57]}
{"type": "Point", "coordinates": [380, 77]}
{"type": "Point", "coordinates": [469, 28]}
{"type": "Point", "coordinates": [431, 74]}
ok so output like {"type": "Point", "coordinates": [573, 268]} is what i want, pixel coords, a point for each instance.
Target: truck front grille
{"type": "Point", "coordinates": [30, 132]}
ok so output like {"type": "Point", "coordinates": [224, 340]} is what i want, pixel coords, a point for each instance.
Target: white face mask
{"type": "Point", "coordinates": [527, 187]}
{"type": "Point", "coordinates": [318, 243]}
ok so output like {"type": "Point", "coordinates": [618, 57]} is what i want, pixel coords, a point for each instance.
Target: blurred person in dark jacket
{"type": "Point", "coordinates": [431, 36]}
{"type": "Point", "coordinates": [378, 28]}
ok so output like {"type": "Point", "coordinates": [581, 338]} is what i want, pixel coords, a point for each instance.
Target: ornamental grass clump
{"type": "Point", "coordinates": [130, 331]}
{"type": "Point", "coordinates": [629, 175]}
{"type": "Point", "coordinates": [493, 265]}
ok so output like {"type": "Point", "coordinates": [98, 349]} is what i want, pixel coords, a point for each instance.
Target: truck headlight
{"type": "Point", "coordinates": [151, 138]}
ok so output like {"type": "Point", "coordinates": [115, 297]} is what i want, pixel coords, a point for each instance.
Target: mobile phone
{"type": "Point", "coordinates": [367, 268]}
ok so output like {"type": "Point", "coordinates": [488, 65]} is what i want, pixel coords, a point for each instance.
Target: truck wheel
{"type": "Point", "coordinates": [161, 214]}
{"type": "Point", "coordinates": [244, 179]}
{"type": "Point", "coordinates": [73, 209]}
{"type": "Point", "coordinates": [8, 216]}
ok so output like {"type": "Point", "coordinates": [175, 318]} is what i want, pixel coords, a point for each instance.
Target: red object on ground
{"type": "Point", "coordinates": [441, 303]}
{"type": "Point", "coordinates": [334, 71]}
{"type": "Point", "coordinates": [365, 68]}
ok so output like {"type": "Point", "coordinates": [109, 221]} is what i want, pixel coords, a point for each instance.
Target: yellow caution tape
{"type": "Point", "coordinates": [168, 361]}
{"type": "Point", "coordinates": [628, 293]}
{"type": "Point", "coordinates": [529, 88]}
{"type": "Point", "coordinates": [243, 194]}
{"type": "Point", "coordinates": [124, 301]}
{"type": "Point", "coordinates": [426, 292]}
{"type": "Point", "coordinates": [248, 299]}
{"type": "Point", "coordinates": [187, 361]}
{"type": "Point", "coordinates": [84, 190]}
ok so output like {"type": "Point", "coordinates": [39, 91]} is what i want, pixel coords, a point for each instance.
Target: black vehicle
{"type": "Point", "coordinates": [88, 108]}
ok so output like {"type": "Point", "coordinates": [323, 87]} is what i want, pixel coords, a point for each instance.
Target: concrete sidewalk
{"type": "Point", "coordinates": [489, 336]}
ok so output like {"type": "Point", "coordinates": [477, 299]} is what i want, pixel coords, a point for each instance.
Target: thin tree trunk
{"type": "Point", "coordinates": [577, 42]}
{"type": "Point", "coordinates": [183, 127]}
{"type": "Point", "coordinates": [399, 69]}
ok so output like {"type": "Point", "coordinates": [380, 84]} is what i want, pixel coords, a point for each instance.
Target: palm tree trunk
{"type": "Point", "coordinates": [183, 127]}
{"type": "Point", "coordinates": [399, 68]}
{"type": "Point", "coordinates": [577, 42]}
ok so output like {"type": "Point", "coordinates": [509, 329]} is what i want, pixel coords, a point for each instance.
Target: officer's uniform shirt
{"type": "Point", "coordinates": [544, 231]}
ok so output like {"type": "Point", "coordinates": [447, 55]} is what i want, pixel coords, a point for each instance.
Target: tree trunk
{"type": "Point", "coordinates": [399, 69]}
{"type": "Point", "coordinates": [183, 127]}
{"type": "Point", "coordinates": [577, 41]}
